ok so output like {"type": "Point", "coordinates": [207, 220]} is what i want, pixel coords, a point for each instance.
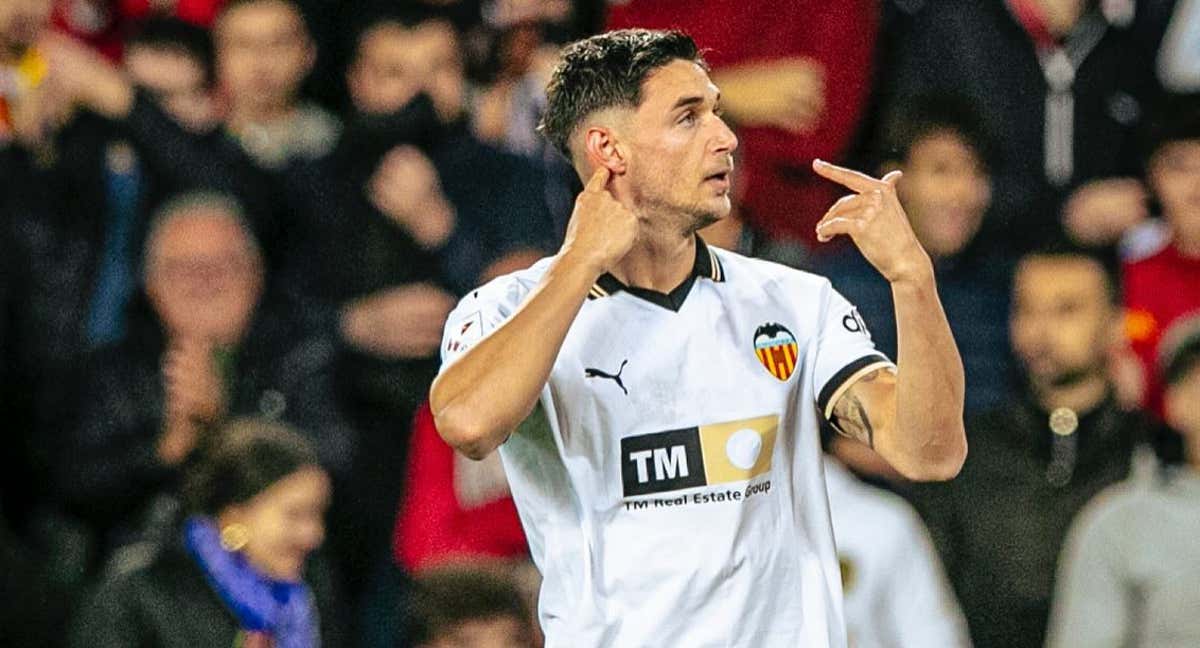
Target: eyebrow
{"type": "Point", "coordinates": [693, 100]}
{"type": "Point", "coordinates": [687, 101]}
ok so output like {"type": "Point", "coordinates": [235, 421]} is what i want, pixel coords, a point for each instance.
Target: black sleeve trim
{"type": "Point", "coordinates": [831, 387]}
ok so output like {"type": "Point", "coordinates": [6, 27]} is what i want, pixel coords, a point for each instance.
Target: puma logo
{"type": "Point", "coordinates": [589, 372]}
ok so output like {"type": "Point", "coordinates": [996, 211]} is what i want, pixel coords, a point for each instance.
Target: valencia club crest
{"type": "Point", "coordinates": [776, 349]}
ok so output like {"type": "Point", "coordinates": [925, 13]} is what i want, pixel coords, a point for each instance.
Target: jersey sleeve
{"type": "Point", "coordinates": [845, 351]}
{"type": "Point", "coordinates": [478, 314]}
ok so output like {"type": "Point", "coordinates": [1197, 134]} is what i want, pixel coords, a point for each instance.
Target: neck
{"type": "Point", "coordinates": [725, 233]}
{"type": "Point", "coordinates": [657, 263]}
{"type": "Point", "coordinates": [244, 115]}
{"type": "Point", "coordinates": [1082, 396]}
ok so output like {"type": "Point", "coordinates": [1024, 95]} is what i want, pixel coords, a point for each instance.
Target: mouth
{"type": "Point", "coordinates": [720, 178]}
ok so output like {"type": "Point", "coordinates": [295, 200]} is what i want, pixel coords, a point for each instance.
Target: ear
{"type": "Point", "coordinates": [601, 148]}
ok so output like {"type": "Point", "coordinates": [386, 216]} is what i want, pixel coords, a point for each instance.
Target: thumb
{"type": "Point", "coordinates": [599, 179]}
{"type": "Point", "coordinates": [892, 178]}
{"type": "Point", "coordinates": [827, 229]}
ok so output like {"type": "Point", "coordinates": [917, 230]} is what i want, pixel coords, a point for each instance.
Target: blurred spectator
{"type": "Point", "coordinates": [1164, 285]}
{"type": "Point", "coordinates": [896, 594]}
{"type": "Point", "coordinates": [939, 144]}
{"type": "Point", "coordinates": [1065, 82]}
{"type": "Point", "coordinates": [428, 212]}
{"type": "Point", "coordinates": [1130, 567]}
{"type": "Point", "coordinates": [794, 83]}
{"type": "Point", "coordinates": [235, 574]}
{"type": "Point", "coordinates": [422, 210]}
{"type": "Point", "coordinates": [173, 61]}
{"type": "Point", "coordinates": [76, 206]}
{"type": "Point", "coordinates": [1038, 459]}
{"type": "Point", "coordinates": [454, 509]}
{"type": "Point", "coordinates": [507, 110]}
{"type": "Point", "coordinates": [279, 201]}
{"type": "Point", "coordinates": [264, 54]}
{"type": "Point", "coordinates": [496, 226]}
{"type": "Point", "coordinates": [474, 608]}
{"type": "Point", "coordinates": [203, 353]}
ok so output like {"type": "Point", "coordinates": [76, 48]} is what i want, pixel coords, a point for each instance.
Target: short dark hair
{"type": "Point", "coordinates": [1175, 120]}
{"type": "Point", "coordinates": [446, 598]}
{"type": "Point", "coordinates": [604, 71]}
{"type": "Point", "coordinates": [242, 459]}
{"type": "Point", "coordinates": [175, 35]}
{"type": "Point", "coordinates": [924, 115]}
{"type": "Point", "coordinates": [1106, 258]}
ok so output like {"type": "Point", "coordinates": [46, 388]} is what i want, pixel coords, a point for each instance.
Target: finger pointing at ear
{"type": "Point", "coordinates": [599, 180]}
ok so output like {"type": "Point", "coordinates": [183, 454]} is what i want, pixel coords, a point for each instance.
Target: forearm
{"type": "Point", "coordinates": [929, 438]}
{"type": "Point", "coordinates": [480, 399]}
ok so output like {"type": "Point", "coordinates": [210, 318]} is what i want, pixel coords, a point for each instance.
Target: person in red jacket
{"type": "Point", "coordinates": [795, 83]}
{"type": "Point", "coordinates": [454, 509]}
{"type": "Point", "coordinates": [1164, 286]}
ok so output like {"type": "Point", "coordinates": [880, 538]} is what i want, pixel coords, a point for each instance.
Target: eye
{"type": "Point", "coordinates": [688, 118]}
{"type": "Point", "coordinates": [719, 111]}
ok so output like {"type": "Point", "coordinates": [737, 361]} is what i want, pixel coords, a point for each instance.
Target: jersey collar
{"type": "Point", "coordinates": [707, 266]}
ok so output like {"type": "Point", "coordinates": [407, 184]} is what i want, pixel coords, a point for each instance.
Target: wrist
{"type": "Point", "coordinates": [580, 261]}
{"type": "Point", "coordinates": [916, 273]}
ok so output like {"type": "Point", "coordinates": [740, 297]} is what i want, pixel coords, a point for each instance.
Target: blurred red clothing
{"type": "Point", "coordinates": [782, 197]}
{"type": "Point", "coordinates": [1159, 290]}
{"type": "Point", "coordinates": [433, 527]}
{"type": "Point", "coordinates": [198, 12]}
{"type": "Point", "coordinates": [104, 24]}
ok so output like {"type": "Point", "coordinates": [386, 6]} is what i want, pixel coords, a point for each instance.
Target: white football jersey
{"type": "Point", "coordinates": [670, 481]}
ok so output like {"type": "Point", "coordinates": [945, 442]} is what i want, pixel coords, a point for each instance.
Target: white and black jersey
{"type": "Point", "coordinates": [670, 481]}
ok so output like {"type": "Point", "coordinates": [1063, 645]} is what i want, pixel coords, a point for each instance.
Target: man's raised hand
{"type": "Point", "coordinates": [601, 230]}
{"type": "Point", "coordinates": [873, 218]}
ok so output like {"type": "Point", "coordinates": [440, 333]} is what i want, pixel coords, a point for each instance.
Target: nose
{"type": "Point", "coordinates": [726, 140]}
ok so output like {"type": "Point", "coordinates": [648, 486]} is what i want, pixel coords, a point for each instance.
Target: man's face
{"type": "Point", "coordinates": [1062, 319]}
{"type": "Point", "coordinates": [496, 632]}
{"type": "Point", "coordinates": [945, 191]}
{"type": "Point", "coordinates": [395, 63]}
{"type": "Point", "coordinates": [178, 82]}
{"type": "Point", "coordinates": [21, 22]}
{"type": "Point", "coordinates": [203, 276]}
{"type": "Point", "coordinates": [1175, 177]}
{"type": "Point", "coordinates": [678, 151]}
{"type": "Point", "coordinates": [263, 54]}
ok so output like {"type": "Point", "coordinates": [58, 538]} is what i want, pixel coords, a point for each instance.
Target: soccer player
{"type": "Point", "coordinates": [656, 401]}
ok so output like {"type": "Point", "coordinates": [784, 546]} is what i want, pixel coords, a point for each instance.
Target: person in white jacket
{"type": "Point", "coordinates": [896, 593]}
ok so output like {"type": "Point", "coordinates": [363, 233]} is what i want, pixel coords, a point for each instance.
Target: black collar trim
{"type": "Point", "coordinates": [707, 266]}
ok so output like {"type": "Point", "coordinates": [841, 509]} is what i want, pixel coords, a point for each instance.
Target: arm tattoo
{"type": "Point", "coordinates": [850, 416]}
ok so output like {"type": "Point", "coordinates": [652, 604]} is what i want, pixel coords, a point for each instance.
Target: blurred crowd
{"type": "Point", "coordinates": [232, 231]}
